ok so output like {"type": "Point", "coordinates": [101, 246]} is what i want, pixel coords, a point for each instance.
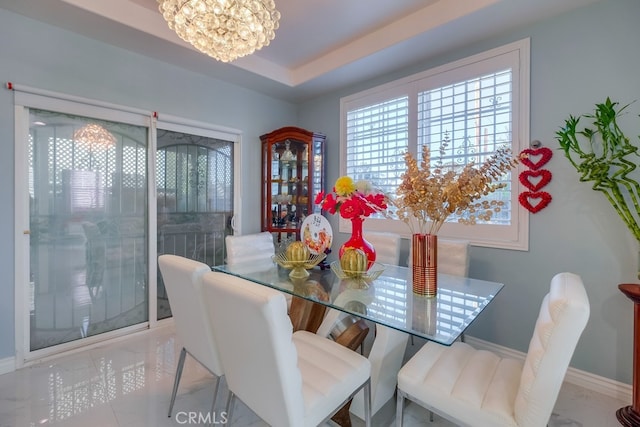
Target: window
{"type": "Point", "coordinates": [476, 105]}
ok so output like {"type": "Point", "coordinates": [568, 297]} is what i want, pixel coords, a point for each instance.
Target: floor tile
{"type": "Point", "coordinates": [127, 383]}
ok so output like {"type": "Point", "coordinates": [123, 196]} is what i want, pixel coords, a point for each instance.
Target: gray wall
{"type": "Point", "coordinates": [577, 60]}
{"type": "Point", "coordinates": [45, 57]}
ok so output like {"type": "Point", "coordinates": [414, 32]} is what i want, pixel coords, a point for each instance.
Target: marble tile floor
{"type": "Point", "coordinates": [127, 383]}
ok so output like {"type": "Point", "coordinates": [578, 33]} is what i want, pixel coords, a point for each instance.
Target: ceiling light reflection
{"type": "Point", "coordinates": [94, 136]}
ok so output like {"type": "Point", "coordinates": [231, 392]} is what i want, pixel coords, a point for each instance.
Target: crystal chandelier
{"type": "Point", "coordinates": [223, 29]}
{"type": "Point", "coordinates": [94, 136]}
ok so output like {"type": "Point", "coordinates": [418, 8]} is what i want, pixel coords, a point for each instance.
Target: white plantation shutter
{"type": "Point", "coordinates": [376, 140]}
{"type": "Point", "coordinates": [476, 105]}
{"type": "Point", "coordinates": [474, 117]}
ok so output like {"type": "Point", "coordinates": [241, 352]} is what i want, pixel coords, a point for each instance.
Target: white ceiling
{"type": "Point", "coordinates": [321, 45]}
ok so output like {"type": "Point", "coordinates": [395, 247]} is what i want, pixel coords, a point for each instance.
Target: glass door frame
{"type": "Point", "coordinates": [26, 98]}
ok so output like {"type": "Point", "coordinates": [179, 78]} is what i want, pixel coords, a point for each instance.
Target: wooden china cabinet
{"type": "Point", "coordinates": [292, 175]}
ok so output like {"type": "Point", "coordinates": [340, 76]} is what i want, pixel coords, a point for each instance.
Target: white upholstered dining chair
{"type": "Point", "coordinates": [286, 378]}
{"type": "Point", "coordinates": [183, 282]}
{"type": "Point", "coordinates": [478, 388]}
{"type": "Point", "coordinates": [386, 245]}
{"type": "Point", "coordinates": [249, 248]}
{"type": "Point", "coordinates": [383, 370]}
{"type": "Point", "coordinates": [254, 251]}
{"type": "Point", "coordinates": [453, 257]}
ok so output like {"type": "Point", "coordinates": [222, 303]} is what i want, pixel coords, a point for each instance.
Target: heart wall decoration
{"type": "Point", "coordinates": [535, 178]}
{"type": "Point", "coordinates": [535, 158]}
{"type": "Point", "coordinates": [534, 201]}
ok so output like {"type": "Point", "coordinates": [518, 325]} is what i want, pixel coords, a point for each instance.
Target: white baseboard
{"type": "Point", "coordinates": [574, 376]}
{"type": "Point", "coordinates": [7, 365]}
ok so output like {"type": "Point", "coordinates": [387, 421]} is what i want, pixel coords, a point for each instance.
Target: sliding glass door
{"type": "Point", "coordinates": [194, 199]}
{"type": "Point", "coordinates": [88, 213]}
{"type": "Point", "coordinates": [100, 191]}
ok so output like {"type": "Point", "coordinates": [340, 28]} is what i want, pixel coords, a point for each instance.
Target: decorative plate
{"type": "Point", "coordinates": [316, 233]}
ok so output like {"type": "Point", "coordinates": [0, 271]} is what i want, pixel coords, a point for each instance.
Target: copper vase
{"type": "Point", "coordinates": [424, 264]}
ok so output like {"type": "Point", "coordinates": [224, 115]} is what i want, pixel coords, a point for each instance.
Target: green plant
{"type": "Point", "coordinates": [601, 154]}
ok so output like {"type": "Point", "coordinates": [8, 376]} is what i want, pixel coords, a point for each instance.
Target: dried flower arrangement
{"type": "Point", "coordinates": [427, 197]}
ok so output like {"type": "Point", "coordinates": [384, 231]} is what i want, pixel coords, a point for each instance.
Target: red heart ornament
{"type": "Point", "coordinates": [542, 154]}
{"type": "Point", "coordinates": [527, 197]}
{"type": "Point", "coordinates": [530, 179]}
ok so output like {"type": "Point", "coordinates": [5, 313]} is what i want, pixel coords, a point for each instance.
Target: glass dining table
{"type": "Point", "coordinates": [390, 303]}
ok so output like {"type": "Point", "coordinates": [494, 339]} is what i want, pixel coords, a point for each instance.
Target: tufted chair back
{"type": "Point", "coordinates": [183, 281]}
{"type": "Point", "coordinates": [563, 316]}
{"type": "Point", "coordinates": [453, 257]}
{"type": "Point", "coordinates": [249, 248]}
{"type": "Point", "coordinates": [387, 246]}
{"type": "Point", "coordinates": [288, 379]}
{"type": "Point", "coordinates": [255, 317]}
{"type": "Point", "coordinates": [479, 388]}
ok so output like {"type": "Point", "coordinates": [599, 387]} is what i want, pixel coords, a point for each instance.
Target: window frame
{"type": "Point", "coordinates": [516, 56]}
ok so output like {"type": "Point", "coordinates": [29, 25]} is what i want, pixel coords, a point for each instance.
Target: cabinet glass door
{"type": "Point", "coordinates": [293, 174]}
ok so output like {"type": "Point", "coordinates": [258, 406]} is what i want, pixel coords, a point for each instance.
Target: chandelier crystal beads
{"type": "Point", "coordinates": [223, 29]}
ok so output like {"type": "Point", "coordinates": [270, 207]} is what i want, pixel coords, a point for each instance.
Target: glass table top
{"type": "Point", "coordinates": [387, 300]}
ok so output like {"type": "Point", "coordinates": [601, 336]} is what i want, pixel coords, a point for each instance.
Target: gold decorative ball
{"type": "Point", "coordinates": [354, 262]}
{"type": "Point", "coordinates": [297, 251]}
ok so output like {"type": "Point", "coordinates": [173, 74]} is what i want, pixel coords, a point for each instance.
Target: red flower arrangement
{"type": "Point", "coordinates": [352, 199]}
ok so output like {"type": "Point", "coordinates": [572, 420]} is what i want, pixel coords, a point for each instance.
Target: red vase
{"type": "Point", "coordinates": [357, 241]}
